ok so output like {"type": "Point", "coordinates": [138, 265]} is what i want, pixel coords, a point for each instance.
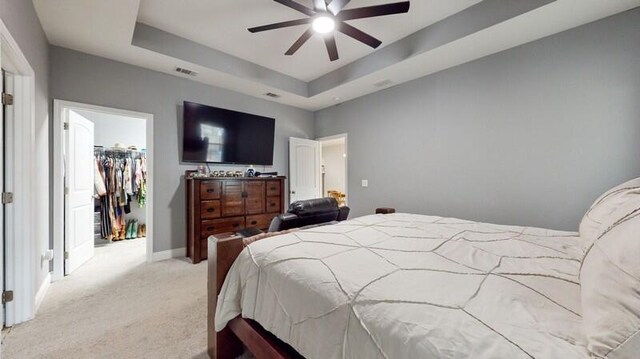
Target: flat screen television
{"type": "Point", "coordinates": [217, 135]}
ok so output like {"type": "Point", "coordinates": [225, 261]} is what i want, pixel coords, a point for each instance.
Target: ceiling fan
{"type": "Point", "coordinates": [329, 15]}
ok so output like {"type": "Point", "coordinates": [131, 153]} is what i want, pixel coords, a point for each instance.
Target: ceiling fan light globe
{"type": "Point", "coordinates": [324, 25]}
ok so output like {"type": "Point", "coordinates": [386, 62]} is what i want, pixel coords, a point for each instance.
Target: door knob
{"type": "Point", "coordinates": [293, 192]}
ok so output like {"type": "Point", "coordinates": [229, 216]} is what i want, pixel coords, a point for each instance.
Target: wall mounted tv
{"type": "Point", "coordinates": [217, 135]}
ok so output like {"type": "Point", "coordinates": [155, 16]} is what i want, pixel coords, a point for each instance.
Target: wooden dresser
{"type": "Point", "coordinates": [221, 205]}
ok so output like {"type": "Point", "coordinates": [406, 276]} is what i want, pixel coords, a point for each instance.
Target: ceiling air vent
{"type": "Point", "coordinates": [184, 71]}
{"type": "Point", "coordinates": [272, 95]}
{"type": "Point", "coordinates": [384, 83]}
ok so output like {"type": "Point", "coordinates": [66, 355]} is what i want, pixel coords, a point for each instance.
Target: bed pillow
{"type": "Point", "coordinates": [601, 214]}
{"type": "Point", "coordinates": [610, 282]}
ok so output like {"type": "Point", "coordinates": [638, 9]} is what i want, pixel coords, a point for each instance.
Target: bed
{"type": "Point", "coordinates": [416, 286]}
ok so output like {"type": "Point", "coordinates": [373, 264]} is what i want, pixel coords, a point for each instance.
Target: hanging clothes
{"type": "Point", "coordinates": [98, 179]}
{"type": "Point", "coordinates": [120, 179]}
{"type": "Point", "coordinates": [126, 177]}
{"type": "Point", "coordinates": [142, 191]}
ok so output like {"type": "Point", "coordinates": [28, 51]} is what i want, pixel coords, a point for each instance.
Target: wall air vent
{"type": "Point", "coordinates": [272, 95]}
{"type": "Point", "coordinates": [384, 83]}
{"type": "Point", "coordinates": [184, 71]}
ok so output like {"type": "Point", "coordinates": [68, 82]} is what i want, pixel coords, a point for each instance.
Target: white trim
{"type": "Point", "coordinates": [21, 269]}
{"type": "Point", "coordinates": [346, 160]}
{"type": "Point", "coordinates": [150, 181]}
{"type": "Point", "coordinates": [58, 176]}
{"type": "Point", "coordinates": [171, 253]}
{"type": "Point", "coordinates": [11, 52]}
{"type": "Point", "coordinates": [42, 292]}
{"type": "Point", "coordinates": [58, 193]}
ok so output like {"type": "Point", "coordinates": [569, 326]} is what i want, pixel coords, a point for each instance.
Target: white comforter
{"type": "Point", "coordinates": [413, 286]}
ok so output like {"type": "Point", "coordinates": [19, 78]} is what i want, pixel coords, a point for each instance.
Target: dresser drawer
{"type": "Point", "coordinates": [232, 198]}
{"type": "Point", "coordinates": [273, 188]}
{"type": "Point", "coordinates": [273, 205]}
{"type": "Point", "coordinates": [210, 209]}
{"type": "Point", "coordinates": [261, 221]}
{"type": "Point", "coordinates": [210, 190]}
{"type": "Point", "coordinates": [254, 197]}
{"type": "Point", "coordinates": [222, 225]}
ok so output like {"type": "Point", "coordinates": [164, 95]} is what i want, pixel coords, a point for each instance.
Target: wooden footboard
{"type": "Point", "coordinates": [240, 332]}
{"type": "Point", "coordinates": [221, 254]}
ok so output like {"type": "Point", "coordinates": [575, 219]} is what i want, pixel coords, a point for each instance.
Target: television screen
{"type": "Point", "coordinates": [216, 135]}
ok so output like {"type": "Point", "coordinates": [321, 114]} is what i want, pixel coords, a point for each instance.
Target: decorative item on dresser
{"type": "Point", "coordinates": [219, 205]}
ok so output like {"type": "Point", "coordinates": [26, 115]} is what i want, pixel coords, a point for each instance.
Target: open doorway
{"type": "Point", "coordinates": [334, 167]}
{"type": "Point", "coordinates": [102, 185]}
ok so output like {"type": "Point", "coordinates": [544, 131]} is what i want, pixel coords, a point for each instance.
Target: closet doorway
{"type": "Point", "coordinates": [103, 175]}
{"type": "Point", "coordinates": [334, 167]}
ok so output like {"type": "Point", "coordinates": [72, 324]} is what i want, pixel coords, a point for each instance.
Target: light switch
{"type": "Point", "coordinates": [365, 183]}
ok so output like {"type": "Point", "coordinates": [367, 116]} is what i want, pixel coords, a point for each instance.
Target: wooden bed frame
{"type": "Point", "coordinates": [240, 332]}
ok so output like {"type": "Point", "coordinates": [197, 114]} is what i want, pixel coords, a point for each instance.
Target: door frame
{"type": "Point", "coordinates": [21, 267]}
{"type": "Point", "coordinates": [346, 159]}
{"type": "Point", "coordinates": [59, 106]}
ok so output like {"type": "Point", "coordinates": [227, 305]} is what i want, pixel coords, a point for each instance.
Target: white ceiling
{"type": "Point", "coordinates": [105, 28]}
{"type": "Point", "coordinates": [223, 25]}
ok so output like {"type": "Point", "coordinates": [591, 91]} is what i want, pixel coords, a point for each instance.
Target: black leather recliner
{"type": "Point", "coordinates": [309, 212]}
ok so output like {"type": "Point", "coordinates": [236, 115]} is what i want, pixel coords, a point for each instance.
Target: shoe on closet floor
{"type": "Point", "coordinates": [122, 233]}
{"type": "Point", "coordinates": [130, 226]}
{"type": "Point", "coordinates": [134, 229]}
{"type": "Point", "coordinates": [127, 229]}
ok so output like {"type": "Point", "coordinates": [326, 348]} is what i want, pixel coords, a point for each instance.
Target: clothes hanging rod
{"type": "Point", "coordinates": [116, 149]}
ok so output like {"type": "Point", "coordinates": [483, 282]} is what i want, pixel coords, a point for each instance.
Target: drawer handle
{"type": "Point", "coordinates": [236, 225]}
{"type": "Point", "coordinates": [273, 188]}
{"type": "Point", "coordinates": [272, 204]}
{"type": "Point", "coordinates": [211, 228]}
{"type": "Point", "coordinates": [211, 209]}
{"type": "Point", "coordinates": [211, 190]}
{"type": "Point", "coordinates": [254, 222]}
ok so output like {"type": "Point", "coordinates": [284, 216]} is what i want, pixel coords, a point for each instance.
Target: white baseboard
{"type": "Point", "coordinates": [42, 291]}
{"type": "Point", "coordinates": [171, 253]}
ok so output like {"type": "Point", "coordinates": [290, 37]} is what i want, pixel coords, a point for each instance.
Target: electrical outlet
{"type": "Point", "coordinates": [365, 183]}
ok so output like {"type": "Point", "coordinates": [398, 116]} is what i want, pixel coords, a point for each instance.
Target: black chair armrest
{"type": "Point", "coordinates": [249, 232]}
{"type": "Point", "coordinates": [282, 222]}
{"type": "Point", "coordinates": [343, 213]}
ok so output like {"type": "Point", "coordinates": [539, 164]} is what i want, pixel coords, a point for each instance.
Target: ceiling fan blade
{"type": "Point", "coordinates": [280, 25]}
{"type": "Point", "coordinates": [373, 11]}
{"type": "Point", "coordinates": [332, 49]}
{"type": "Point", "coordinates": [336, 6]}
{"type": "Point", "coordinates": [319, 5]}
{"type": "Point", "coordinates": [358, 35]}
{"type": "Point", "coordinates": [296, 45]}
{"type": "Point", "coordinates": [296, 6]}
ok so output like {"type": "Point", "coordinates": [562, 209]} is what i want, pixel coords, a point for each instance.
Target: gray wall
{"type": "Point", "coordinates": [20, 18]}
{"type": "Point", "coordinates": [89, 79]}
{"type": "Point", "coordinates": [528, 136]}
{"type": "Point", "coordinates": [113, 129]}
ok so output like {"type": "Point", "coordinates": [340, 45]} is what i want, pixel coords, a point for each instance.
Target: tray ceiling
{"type": "Point", "coordinates": [211, 38]}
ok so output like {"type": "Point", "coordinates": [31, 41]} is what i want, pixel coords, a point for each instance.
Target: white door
{"type": "Point", "coordinates": [304, 169]}
{"type": "Point", "coordinates": [78, 241]}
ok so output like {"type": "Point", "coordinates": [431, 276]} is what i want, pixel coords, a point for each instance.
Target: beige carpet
{"type": "Point", "coordinates": [118, 306]}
